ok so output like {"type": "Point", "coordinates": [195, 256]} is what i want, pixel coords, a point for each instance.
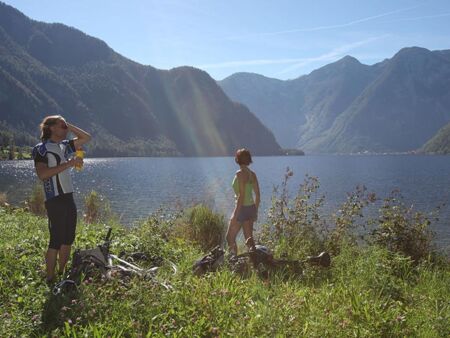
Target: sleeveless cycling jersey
{"type": "Point", "coordinates": [54, 154]}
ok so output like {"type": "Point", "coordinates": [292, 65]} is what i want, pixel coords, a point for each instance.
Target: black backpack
{"type": "Point", "coordinates": [85, 263]}
{"type": "Point", "coordinates": [210, 262]}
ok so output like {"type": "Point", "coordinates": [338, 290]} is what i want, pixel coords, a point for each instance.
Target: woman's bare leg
{"type": "Point", "coordinates": [232, 232]}
{"type": "Point", "coordinates": [248, 235]}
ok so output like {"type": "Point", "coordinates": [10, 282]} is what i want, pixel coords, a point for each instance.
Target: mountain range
{"type": "Point", "coordinates": [131, 109]}
{"type": "Point", "coordinates": [396, 105]}
{"type": "Point", "coordinates": [347, 107]}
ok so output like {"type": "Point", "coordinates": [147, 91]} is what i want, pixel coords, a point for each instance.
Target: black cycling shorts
{"type": "Point", "coordinates": [62, 220]}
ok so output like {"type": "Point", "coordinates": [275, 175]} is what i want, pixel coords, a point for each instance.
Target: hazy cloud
{"type": "Point", "coordinates": [318, 28]}
{"type": "Point", "coordinates": [420, 18]}
{"type": "Point", "coordinates": [256, 62]}
{"type": "Point", "coordinates": [298, 62]}
{"type": "Point", "coordinates": [333, 54]}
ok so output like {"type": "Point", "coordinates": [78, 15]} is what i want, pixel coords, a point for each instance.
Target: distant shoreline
{"type": "Point", "coordinates": [279, 155]}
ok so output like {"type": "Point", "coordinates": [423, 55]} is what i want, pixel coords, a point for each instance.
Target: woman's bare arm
{"type": "Point", "coordinates": [256, 190]}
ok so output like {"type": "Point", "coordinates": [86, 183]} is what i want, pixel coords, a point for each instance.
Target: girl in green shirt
{"type": "Point", "coordinates": [245, 213]}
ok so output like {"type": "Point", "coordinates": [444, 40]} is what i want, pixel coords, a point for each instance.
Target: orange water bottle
{"type": "Point", "coordinates": [80, 154]}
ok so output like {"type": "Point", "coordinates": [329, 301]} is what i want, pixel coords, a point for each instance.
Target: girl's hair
{"type": "Point", "coordinates": [45, 125]}
{"type": "Point", "coordinates": [243, 156]}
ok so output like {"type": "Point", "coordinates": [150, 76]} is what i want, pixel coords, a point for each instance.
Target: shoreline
{"type": "Point", "coordinates": [256, 156]}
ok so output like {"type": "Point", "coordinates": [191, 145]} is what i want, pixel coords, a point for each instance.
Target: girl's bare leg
{"type": "Point", "coordinates": [232, 232]}
{"type": "Point", "coordinates": [248, 235]}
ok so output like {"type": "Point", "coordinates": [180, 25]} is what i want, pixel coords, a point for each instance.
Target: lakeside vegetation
{"type": "Point", "coordinates": [439, 143]}
{"type": "Point", "coordinates": [14, 143]}
{"type": "Point", "coordinates": [15, 153]}
{"type": "Point", "coordinates": [385, 281]}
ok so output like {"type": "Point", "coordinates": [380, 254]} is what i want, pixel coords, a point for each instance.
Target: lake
{"type": "Point", "coordinates": [136, 187]}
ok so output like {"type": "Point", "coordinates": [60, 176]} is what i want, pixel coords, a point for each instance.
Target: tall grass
{"type": "Point", "coordinates": [201, 226]}
{"type": "Point", "coordinates": [96, 208]}
{"type": "Point", "coordinates": [36, 200]}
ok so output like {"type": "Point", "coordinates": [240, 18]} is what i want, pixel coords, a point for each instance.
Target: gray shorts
{"type": "Point", "coordinates": [247, 213]}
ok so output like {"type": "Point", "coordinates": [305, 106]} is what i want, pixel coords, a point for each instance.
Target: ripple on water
{"type": "Point", "coordinates": [136, 187]}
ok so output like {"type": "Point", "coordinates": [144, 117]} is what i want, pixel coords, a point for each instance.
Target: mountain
{"type": "Point", "coordinates": [297, 110]}
{"type": "Point", "coordinates": [439, 143]}
{"type": "Point", "coordinates": [344, 107]}
{"type": "Point", "coordinates": [271, 99]}
{"type": "Point", "coordinates": [130, 109]}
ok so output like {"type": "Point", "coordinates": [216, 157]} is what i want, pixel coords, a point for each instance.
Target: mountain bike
{"type": "Point", "coordinates": [101, 262]}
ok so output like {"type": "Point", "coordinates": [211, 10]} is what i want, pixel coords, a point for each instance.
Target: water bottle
{"type": "Point", "coordinates": [80, 154]}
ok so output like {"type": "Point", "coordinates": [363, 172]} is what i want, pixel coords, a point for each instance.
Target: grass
{"type": "Point", "coordinates": [36, 200]}
{"type": "Point", "coordinates": [368, 292]}
{"type": "Point", "coordinates": [202, 227]}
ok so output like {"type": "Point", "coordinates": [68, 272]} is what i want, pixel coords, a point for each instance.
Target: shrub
{"type": "Point", "coordinates": [96, 208]}
{"type": "Point", "coordinates": [36, 200]}
{"type": "Point", "coordinates": [154, 236]}
{"type": "Point", "coordinates": [349, 221]}
{"type": "Point", "coordinates": [295, 227]}
{"type": "Point", "coordinates": [203, 227]}
{"type": "Point", "coordinates": [400, 229]}
{"type": "Point", "coordinates": [3, 198]}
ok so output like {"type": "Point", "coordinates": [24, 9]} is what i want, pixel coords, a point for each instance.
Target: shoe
{"type": "Point", "coordinates": [230, 256]}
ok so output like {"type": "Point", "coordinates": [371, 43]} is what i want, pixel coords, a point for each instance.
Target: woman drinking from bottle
{"type": "Point", "coordinates": [53, 158]}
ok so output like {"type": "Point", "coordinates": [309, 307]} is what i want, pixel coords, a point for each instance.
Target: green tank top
{"type": "Point", "coordinates": [248, 193]}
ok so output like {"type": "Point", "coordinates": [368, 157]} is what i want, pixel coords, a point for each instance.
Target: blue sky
{"type": "Point", "coordinates": [280, 39]}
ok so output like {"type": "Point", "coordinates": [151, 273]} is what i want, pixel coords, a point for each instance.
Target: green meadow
{"type": "Point", "coordinates": [382, 283]}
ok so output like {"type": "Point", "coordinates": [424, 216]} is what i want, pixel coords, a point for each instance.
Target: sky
{"type": "Point", "coordinates": [279, 39]}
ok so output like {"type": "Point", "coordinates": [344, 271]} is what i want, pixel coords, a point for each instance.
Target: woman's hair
{"type": "Point", "coordinates": [243, 157]}
{"type": "Point", "coordinates": [45, 125]}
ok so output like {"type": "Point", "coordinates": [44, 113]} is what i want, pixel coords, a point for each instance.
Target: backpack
{"type": "Point", "coordinates": [210, 262]}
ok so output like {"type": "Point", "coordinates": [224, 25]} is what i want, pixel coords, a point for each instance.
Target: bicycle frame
{"type": "Point", "coordinates": [108, 264]}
